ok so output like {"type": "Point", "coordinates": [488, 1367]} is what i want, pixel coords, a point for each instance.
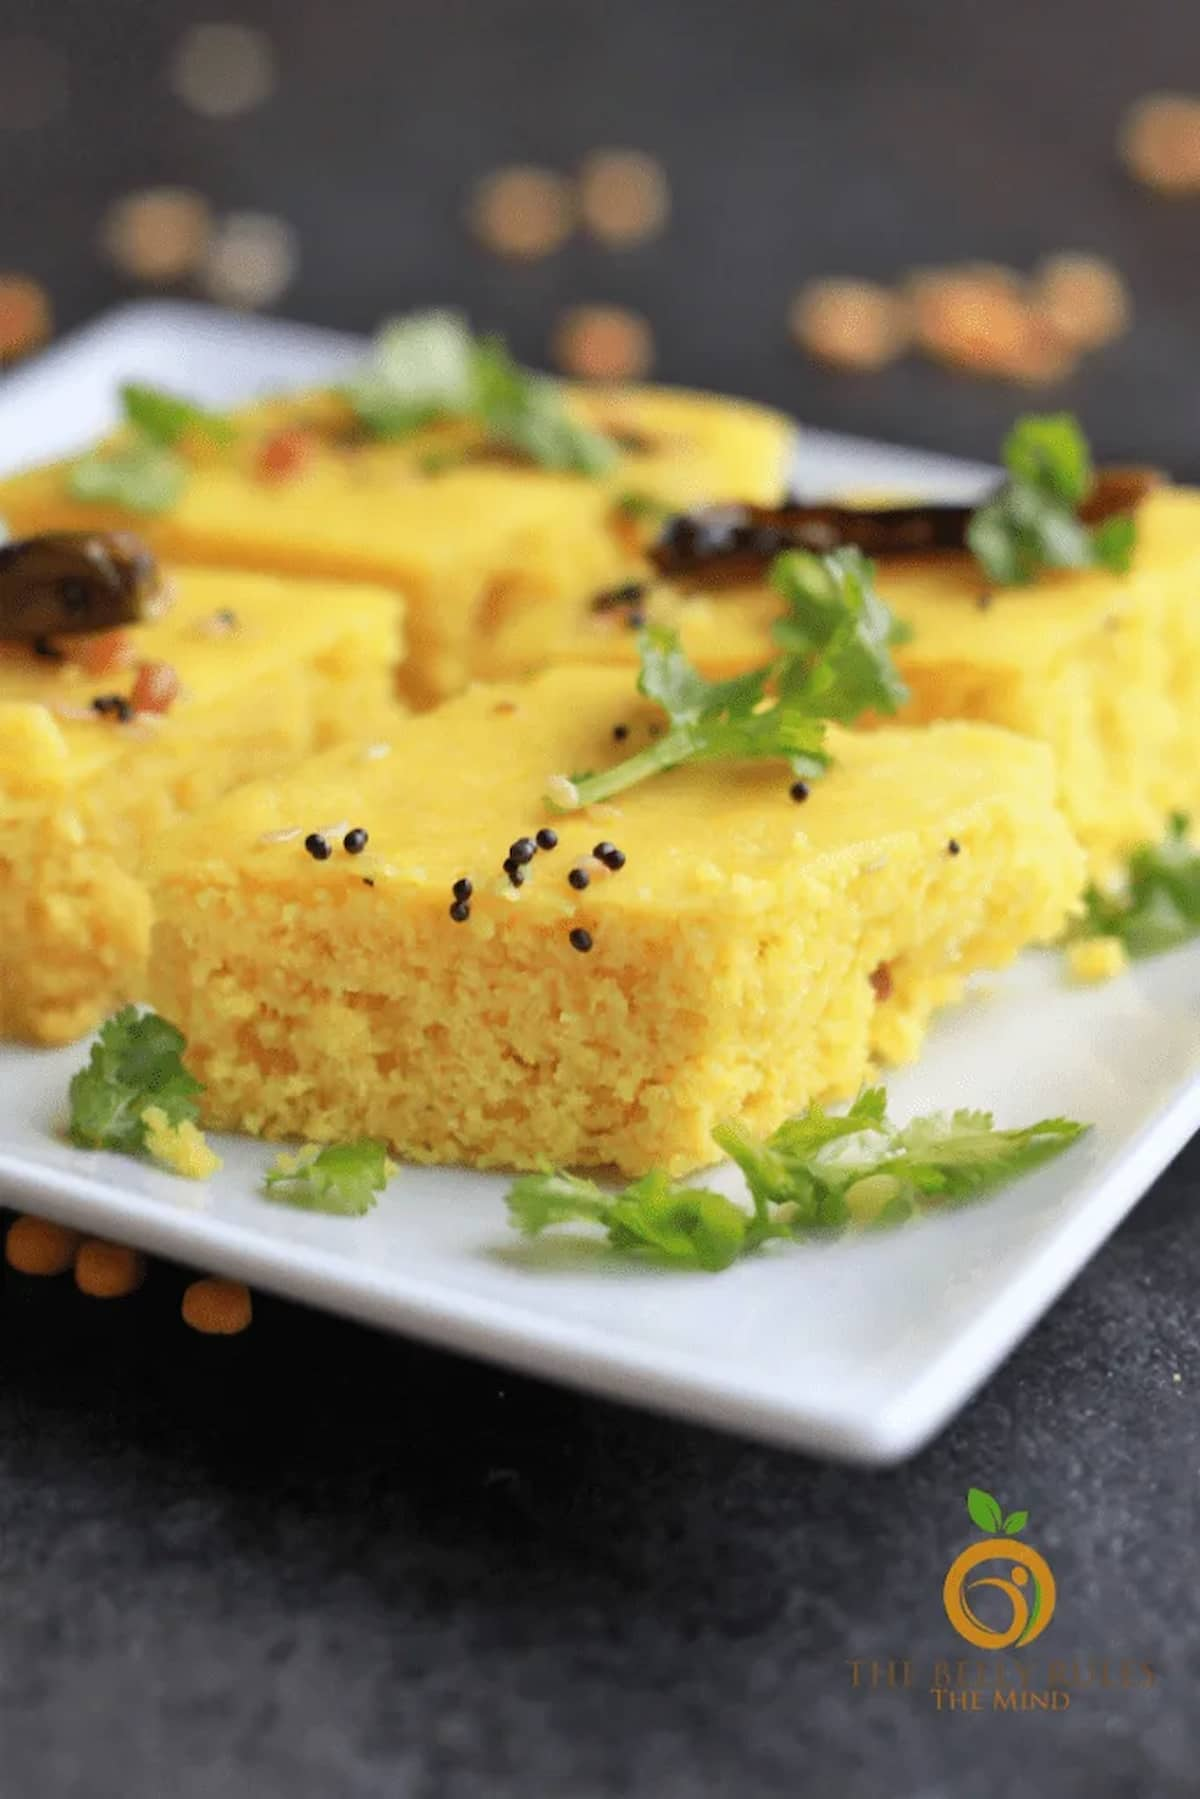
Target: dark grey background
{"type": "Point", "coordinates": [316, 1561]}
{"type": "Point", "coordinates": [801, 139]}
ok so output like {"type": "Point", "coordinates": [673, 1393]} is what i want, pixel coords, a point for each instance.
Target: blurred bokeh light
{"type": "Point", "coordinates": [901, 221]}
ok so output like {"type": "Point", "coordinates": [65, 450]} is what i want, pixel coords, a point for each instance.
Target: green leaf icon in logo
{"type": "Point", "coordinates": [1014, 1522]}
{"type": "Point", "coordinates": [985, 1511]}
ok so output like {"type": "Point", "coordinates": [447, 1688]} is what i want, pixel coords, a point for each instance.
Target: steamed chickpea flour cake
{"type": "Point", "coordinates": [573, 925]}
{"type": "Point", "coordinates": [641, 894]}
{"type": "Point", "coordinates": [127, 697]}
{"type": "Point", "coordinates": [490, 498]}
{"type": "Point", "coordinates": [1036, 612]}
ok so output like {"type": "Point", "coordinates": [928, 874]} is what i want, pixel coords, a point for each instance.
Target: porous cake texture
{"type": "Point", "coordinates": [748, 954]}
{"type": "Point", "coordinates": [268, 671]}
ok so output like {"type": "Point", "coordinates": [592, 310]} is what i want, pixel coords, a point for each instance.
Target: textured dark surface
{"type": "Point", "coordinates": [801, 139]}
{"type": "Point", "coordinates": [316, 1561]}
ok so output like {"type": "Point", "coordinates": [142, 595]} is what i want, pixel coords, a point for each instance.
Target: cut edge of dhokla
{"type": "Point", "coordinates": [741, 956]}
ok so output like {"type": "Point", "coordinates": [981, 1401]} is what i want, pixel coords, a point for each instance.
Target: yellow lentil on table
{"type": "Point", "coordinates": [25, 316]}
{"type": "Point", "coordinates": [217, 1308]}
{"type": "Point", "coordinates": [39, 1246]}
{"type": "Point", "coordinates": [108, 1270]}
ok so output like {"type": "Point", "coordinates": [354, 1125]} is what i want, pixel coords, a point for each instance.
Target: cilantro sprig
{"type": "Point", "coordinates": [135, 1062]}
{"type": "Point", "coordinates": [860, 1168]}
{"type": "Point", "coordinates": [431, 367]}
{"type": "Point", "coordinates": [140, 475]}
{"type": "Point", "coordinates": [817, 1174]}
{"type": "Point", "coordinates": [837, 634]}
{"type": "Point", "coordinates": [690, 1226]}
{"type": "Point", "coordinates": [835, 663]}
{"type": "Point", "coordinates": [1033, 522]}
{"type": "Point", "coordinates": [144, 471]}
{"type": "Point", "coordinates": [342, 1178]}
{"type": "Point", "coordinates": [167, 418]}
{"type": "Point", "coordinates": [708, 720]}
{"type": "Point", "coordinates": [1157, 906]}
{"type": "Point", "coordinates": [640, 507]}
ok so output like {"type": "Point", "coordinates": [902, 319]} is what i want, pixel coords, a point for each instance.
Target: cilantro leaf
{"type": "Point", "coordinates": [1049, 452]}
{"type": "Point", "coordinates": [525, 412]}
{"type": "Point", "coordinates": [1031, 524]}
{"type": "Point", "coordinates": [420, 369]}
{"type": "Point", "coordinates": [537, 1201]}
{"type": "Point", "coordinates": [817, 1173]}
{"type": "Point", "coordinates": [708, 720]}
{"type": "Point", "coordinates": [430, 367]}
{"type": "Point", "coordinates": [783, 1169]}
{"type": "Point", "coordinates": [1114, 541]}
{"type": "Point", "coordinates": [135, 1062]}
{"type": "Point", "coordinates": [1158, 905]}
{"type": "Point", "coordinates": [835, 663]}
{"type": "Point", "coordinates": [634, 504]}
{"type": "Point", "coordinates": [863, 1169]}
{"type": "Point", "coordinates": [436, 462]}
{"type": "Point", "coordinates": [839, 635]}
{"type": "Point", "coordinates": [342, 1178]}
{"type": "Point", "coordinates": [166, 418]}
{"type": "Point", "coordinates": [141, 475]}
{"type": "Point", "coordinates": [687, 1226]}
{"type": "Point", "coordinates": [145, 472]}
{"type": "Point", "coordinates": [960, 1155]}
{"type": "Point", "coordinates": [683, 693]}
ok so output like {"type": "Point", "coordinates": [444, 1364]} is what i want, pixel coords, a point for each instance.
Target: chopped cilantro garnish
{"type": "Point", "coordinates": [135, 1063]}
{"type": "Point", "coordinates": [636, 505]}
{"type": "Point", "coordinates": [525, 412]}
{"type": "Point", "coordinates": [691, 1226]}
{"type": "Point", "coordinates": [166, 418]}
{"type": "Point", "coordinates": [141, 474]}
{"type": "Point", "coordinates": [420, 369]}
{"type": "Point", "coordinates": [431, 367]}
{"type": "Point", "coordinates": [863, 1169]}
{"type": "Point", "coordinates": [438, 461]}
{"type": "Point", "coordinates": [1157, 906]}
{"type": "Point", "coordinates": [342, 1178]}
{"type": "Point", "coordinates": [1049, 451]}
{"type": "Point", "coordinates": [835, 664]}
{"type": "Point", "coordinates": [838, 635]}
{"type": "Point", "coordinates": [709, 719]}
{"type": "Point", "coordinates": [144, 471]}
{"type": "Point", "coordinates": [1032, 523]}
{"type": "Point", "coordinates": [817, 1173]}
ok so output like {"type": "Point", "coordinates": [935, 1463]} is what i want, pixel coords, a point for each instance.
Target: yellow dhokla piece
{"type": "Point", "coordinates": [492, 554]}
{"type": "Point", "coordinates": [179, 1147]}
{"type": "Point", "coordinates": [82, 795]}
{"type": "Point", "coordinates": [1104, 668]}
{"type": "Point", "coordinates": [732, 956]}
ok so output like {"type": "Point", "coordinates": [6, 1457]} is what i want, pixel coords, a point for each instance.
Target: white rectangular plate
{"type": "Point", "coordinates": [860, 1349]}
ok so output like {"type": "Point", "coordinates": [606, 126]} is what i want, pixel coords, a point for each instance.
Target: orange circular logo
{"type": "Point", "coordinates": [1028, 1586]}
